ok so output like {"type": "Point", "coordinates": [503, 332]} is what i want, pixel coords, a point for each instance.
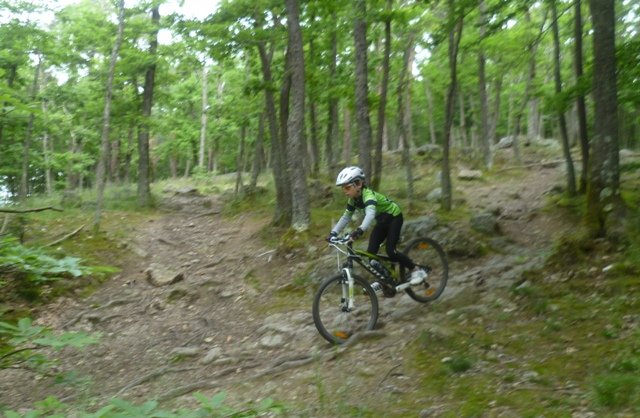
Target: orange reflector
{"type": "Point", "coordinates": [341, 334]}
{"type": "Point", "coordinates": [429, 292]}
{"type": "Point", "coordinates": [423, 245]}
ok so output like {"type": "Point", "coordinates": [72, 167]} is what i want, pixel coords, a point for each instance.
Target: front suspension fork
{"type": "Point", "coordinates": [347, 291]}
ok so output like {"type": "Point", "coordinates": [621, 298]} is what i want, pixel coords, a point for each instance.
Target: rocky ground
{"type": "Point", "coordinates": [204, 305]}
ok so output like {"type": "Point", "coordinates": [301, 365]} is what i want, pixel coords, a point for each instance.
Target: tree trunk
{"type": "Point", "coordinates": [376, 176]}
{"type": "Point", "coordinates": [314, 148]}
{"type": "Point", "coordinates": [533, 122]}
{"type": "Point", "coordinates": [106, 119]}
{"type": "Point", "coordinates": [26, 145]}
{"type": "Point", "coordinates": [114, 165]}
{"type": "Point", "coordinates": [203, 117]}
{"type": "Point", "coordinates": [432, 127]}
{"type": "Point", "coordinates": [404, 113]}
{"type": "Point", "coordinates": [581, 107]}
{"type": "Point", "coordinates": [301, 216]}
{"type": "Point", "coordinates": [46, 147]}
{"type": "Point", "coordinates": [258, 151]}
{"type": "Point", "coordinates": [485, 140]}
{"type": "Point", "coordinates": [332, 127]}
{"type": "Point", "coordinates": [362, 90]}
{"type": "Point", "coordinates": [604, 204]}
{"type": "Point", "coordinates": [346, 137]}
{"type": "Point", "coordinates": [240, 160]}
{"type": "Point", "coordinates": [173, 165]}
{"type": "Point", "coordinates": [463, 123]}
{"type": "Point", "coordinates": [128, 154]}
{"type": "Point", "coordinates": [144, 189]}
{"type": "Point", "coordinates": [495, 114]}
{"type": "Point", "coordinates": [282, 213]}
{"type": "Point", "coordinates": [571, 179]}
{"type": "Point", "coordinates": [455, 33]}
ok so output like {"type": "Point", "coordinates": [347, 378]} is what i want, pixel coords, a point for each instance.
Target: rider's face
{"type": "Point", "coordinates": [352, 190]}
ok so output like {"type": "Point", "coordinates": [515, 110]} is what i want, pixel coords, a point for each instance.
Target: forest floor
{"type": "Point", "coordinates": [236, 318]}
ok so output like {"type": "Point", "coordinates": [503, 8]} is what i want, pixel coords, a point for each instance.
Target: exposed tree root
{"type": "Point", "coordinates": [69, 235]}
{"type": "Point", "coordinates": [153, 375]}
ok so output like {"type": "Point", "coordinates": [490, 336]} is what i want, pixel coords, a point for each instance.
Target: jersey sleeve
{"type": "Point", "coordinates": [345, 218]}
{"type": "Point", "coordinates": [370, 203]}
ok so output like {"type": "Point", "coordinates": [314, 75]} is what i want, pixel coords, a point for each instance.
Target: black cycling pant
{"type": "Point", "coordinates": [388, 227]}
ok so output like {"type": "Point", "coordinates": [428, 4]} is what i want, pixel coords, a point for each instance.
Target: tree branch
{"type": "Point", "coordinates": [69, 235]}
{"type": "Point", "coordinates": [29, 210]}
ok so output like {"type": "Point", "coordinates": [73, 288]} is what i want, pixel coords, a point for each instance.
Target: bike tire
{"type": "Point", "coordinates": [332, 319]}
{"type": "Point", "coordinates": [426, 252]}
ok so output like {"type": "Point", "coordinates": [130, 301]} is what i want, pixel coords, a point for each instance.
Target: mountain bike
{"type": "Point", "coordinates": [347, 303]}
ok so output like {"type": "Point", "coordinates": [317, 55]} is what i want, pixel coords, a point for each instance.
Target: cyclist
{"type": "Point", "coordinates": [386, 213]}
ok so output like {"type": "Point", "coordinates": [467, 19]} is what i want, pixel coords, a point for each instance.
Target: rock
{"type": "Point", "coordinates": [187, 191]}
{"type": "Point", "coordinates": [157, 275]}
{"type": "Point", "coordinates": [435, 195]}
{"type": "Point", "coordinates": [469, 174]}
{"type": "Point", "coordinates": [505, 142]}
{"type": "Point", "coordinates": [486, 223]}
{"type": "Point", "coordinates": [419, 227]}
{"type": "Point", "coordinates": [214, 354]}
{"type": "Point", "coordinates": [271, 341]}
{"type": "Point", "coordinates": [185, 351]}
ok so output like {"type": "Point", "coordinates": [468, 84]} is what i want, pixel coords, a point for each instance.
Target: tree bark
{"type": "Point", "coordinates": [332, 127]}
{"type": "Point", "coordinates": [258, 151]}
{"type": "Point", "coordinates": [46, 145]}
{"type": "Point", "coordinates": [485, 140]}
{"type": "Point", "coordinates": [571, 179]}
{"type": "Point", "coordinates": [144, 189]}
{"type": "Point", "coordinates": [282, 213]}
{"type": "Point", "coordinates": [404, 113]}
{"type": "Point", "coordinates": [240, 161]}
{"type": "Point", "coordinates": [314, 148]}
{"type": "Point", "coordinates": [204, 99]}
{"type": "Point", "coordinates": [455, 34]}
{"type": "Point", "coordinates": [432, 127]}
{"type": "Point", "coordinates": [106, 118]}
{"type": "Point", "coordinates": [346, 137]}
{"type": "Point", "coordinates": [363, 122]}
{"type": "Point", "coordinates": [604, 204]}
{"type": "Point", "coordinates": [26, 145]}
{"type": "Point", "coordinates": [301, 215]}
{"type": "Point", "coordinates": [376, 176]}
{"type": "Point", "coordinates": [581, 107]}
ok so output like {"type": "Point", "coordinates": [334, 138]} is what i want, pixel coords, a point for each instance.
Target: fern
{"type": "Point", "coordinates": [21, 342]}
{"type": "Point", "coordinates": [38, 267]}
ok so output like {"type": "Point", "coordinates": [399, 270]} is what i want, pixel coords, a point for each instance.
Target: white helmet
{"type": "Point", "coordinates": [349, 175]}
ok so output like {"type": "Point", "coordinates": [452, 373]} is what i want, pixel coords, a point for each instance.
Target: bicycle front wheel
{"type": "Point", "coordinates": [428, 254]}
{"type": "Point", "coordinates": [334, 318]}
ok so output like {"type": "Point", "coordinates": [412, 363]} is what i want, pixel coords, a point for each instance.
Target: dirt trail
{"type": "Point", "coordinates": [210, 331]}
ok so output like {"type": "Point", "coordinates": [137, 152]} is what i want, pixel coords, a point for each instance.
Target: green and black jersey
{"type": "Point", "coordinates": [372, 203]}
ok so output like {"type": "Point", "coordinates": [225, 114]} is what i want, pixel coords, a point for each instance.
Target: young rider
{"type": "Point", "coordinates": [386, 213]}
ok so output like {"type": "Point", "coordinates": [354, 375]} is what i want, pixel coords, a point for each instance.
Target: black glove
{"type": "Point", "coordinates": [355, 234]}
{"type": "Point", "coordinates": [332, 234]}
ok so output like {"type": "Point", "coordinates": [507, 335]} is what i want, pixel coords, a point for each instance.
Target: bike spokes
{"type": "Point", "coordinates": [337, 318]}
{"type": "Point", "coordinates": [428, 255]}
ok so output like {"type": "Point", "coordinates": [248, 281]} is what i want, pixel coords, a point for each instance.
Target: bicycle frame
{"type": "Point", "coordinates": [360, 257]}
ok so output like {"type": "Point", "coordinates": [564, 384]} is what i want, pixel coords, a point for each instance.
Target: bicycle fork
{"type": "Point", "coordinates": [347, 291]}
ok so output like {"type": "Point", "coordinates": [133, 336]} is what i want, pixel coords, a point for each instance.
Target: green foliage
{"type": "Point", "coordinates": [458, 364]}
{"type": "Point", "coordinates": [617, 391]}
{"type": "Point", "coordinates": [35, 265]}
{"type": "Point", "coordinates": [20, 343]}
{"type": "Point", "coordinates": [213, 407]}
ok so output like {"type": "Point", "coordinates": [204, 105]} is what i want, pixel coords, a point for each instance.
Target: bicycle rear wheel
{"type": "Point", "coordinates": [428, 254]}
{"type": "Point", "coordinates": [335, 321]}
